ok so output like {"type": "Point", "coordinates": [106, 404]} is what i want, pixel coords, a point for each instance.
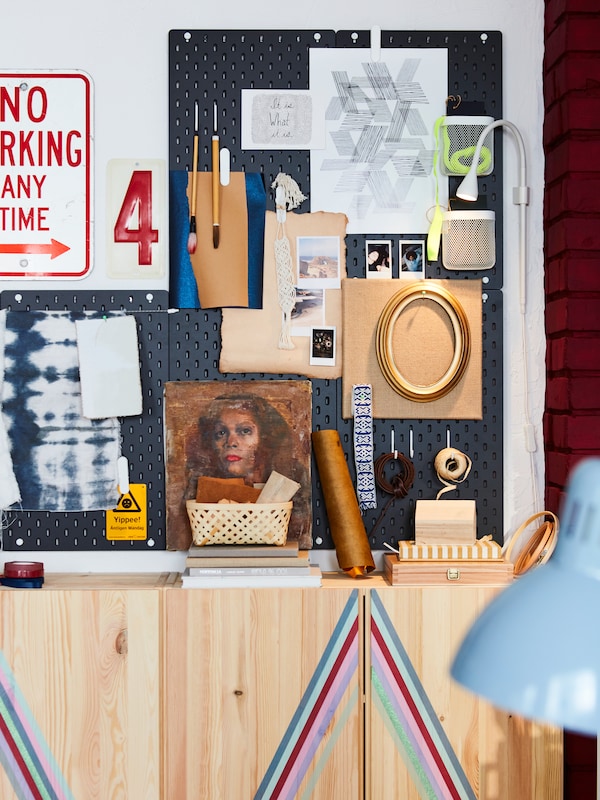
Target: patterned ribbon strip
{"type": "Point", "coordinates": [24, 754]}
{"type": "Point", "coordinates": [312, 719]}
{"type": "Point", "coordinates": [412, 721]}
{"type": "Point", "coordinates": [363, 446]}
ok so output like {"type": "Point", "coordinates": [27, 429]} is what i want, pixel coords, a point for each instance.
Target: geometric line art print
{"type": "Point", "coordinates": [377, 164]}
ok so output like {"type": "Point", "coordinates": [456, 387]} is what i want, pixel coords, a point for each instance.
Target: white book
{"type": "Point", "coordinates": [312, 577]}
{"type": "Point", "coordinates": [290, 548]}
{"type": "Point", "coordinates": [254, 571]}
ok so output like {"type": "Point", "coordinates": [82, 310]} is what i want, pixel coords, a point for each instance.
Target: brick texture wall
{"type": "Point", "coordinates": [572, 275]}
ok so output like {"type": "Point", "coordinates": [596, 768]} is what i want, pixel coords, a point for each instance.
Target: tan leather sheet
{"type": "Point", "coordinates": [222, 272]}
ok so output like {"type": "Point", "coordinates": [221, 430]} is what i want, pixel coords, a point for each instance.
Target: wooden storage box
{"type": "Point", "coordinates": [429, 572]}
{"type": "Point", "coordinates": [443, 521]}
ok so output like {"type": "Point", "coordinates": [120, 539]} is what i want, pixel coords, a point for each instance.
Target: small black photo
{"type": "Point", "coordinates": [378, 258]}
{"type": "Point", "coordinates": [322, 346]}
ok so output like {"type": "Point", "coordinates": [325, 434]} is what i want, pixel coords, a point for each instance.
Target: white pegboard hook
{"type": "Point", "coordinates": [375, 43]}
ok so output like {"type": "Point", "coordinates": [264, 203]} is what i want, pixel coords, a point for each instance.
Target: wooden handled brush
{"type": "Point", "coordinates": [216, 180]}
{"type": "Point", "coordinates": [193, 238]}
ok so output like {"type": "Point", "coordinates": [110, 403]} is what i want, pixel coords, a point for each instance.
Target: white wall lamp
{"type": "Point", "coordinates": [469, 190]}
{"type": "Point", "coordinates": [535, 650]}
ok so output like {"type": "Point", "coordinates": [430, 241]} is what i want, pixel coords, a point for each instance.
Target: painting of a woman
{"type": "Point", "coordinates": [240, 436]}
{"type": "Point", "coordinates": [234, 431]}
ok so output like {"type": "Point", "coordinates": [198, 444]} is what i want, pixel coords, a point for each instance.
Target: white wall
{"type": "Point", "coordinates": [123, 46]}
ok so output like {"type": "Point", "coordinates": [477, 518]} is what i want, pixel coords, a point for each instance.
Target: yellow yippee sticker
{"type": "Point", "coordinates": [129, 520]}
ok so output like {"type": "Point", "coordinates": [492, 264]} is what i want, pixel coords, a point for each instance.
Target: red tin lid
{"type": "Point", "coordinates": [23, 569]}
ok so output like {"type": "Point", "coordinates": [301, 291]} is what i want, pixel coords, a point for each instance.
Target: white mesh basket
{"type": "Point", "coordinates": [459, 136]}
{"type": "Point", "coordinates": [469, 239]}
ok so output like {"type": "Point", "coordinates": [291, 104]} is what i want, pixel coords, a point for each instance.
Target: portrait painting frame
{"type": "Point", "coordinates": [281, 413]}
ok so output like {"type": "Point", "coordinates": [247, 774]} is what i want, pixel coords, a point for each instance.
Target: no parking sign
{"type": "Point", "coordinates": [45, 174]}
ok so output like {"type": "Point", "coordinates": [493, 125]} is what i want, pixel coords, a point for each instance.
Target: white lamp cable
{"type": "Point", "coordinates": [468, 190]}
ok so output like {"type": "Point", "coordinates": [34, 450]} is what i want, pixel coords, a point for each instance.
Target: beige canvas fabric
{"type": "Point", "coordinates": [423, 348]}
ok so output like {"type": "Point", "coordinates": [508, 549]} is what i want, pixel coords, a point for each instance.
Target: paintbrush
{"type": "Point", "coordinates": [216, 180]}
{"type": "Point", "coordinates": [192, 238]}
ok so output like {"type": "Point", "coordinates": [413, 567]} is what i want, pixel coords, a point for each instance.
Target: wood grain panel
{"type": "Point", "coordinates": [87, 664]}
{"type": "Point", "coordinates": [503, 756]}
{"type": "Point", "coordinates": [239, 662]}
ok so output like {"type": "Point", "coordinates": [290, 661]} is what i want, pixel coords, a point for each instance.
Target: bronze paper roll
{"type": "Point", "coordinates": [345, 520]}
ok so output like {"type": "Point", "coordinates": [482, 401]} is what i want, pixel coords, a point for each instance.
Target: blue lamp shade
{"type": "Point", "coordinates": [535, 650]}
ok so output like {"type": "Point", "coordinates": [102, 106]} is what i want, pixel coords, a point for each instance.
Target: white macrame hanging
{"type": "Point", "coordinates": [287, 196]}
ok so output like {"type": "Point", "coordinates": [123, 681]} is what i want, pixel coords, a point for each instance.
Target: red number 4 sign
{"type": "Point", "coordinates": [136, 218]}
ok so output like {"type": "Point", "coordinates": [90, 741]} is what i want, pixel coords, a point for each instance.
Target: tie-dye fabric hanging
{"type": "Point", "coordinates": [61, 460]}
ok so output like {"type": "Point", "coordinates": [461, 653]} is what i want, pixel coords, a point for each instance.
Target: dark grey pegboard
{"type": "Point", "coordinates": [474, 75]}
{"type": "Point", "coordinates": [142, 436]}
{"type": "Point", "coordinates": [216, 65]}
{"type": "Point", "coordinates": [421, 440]}
{"type": "Point", "coordinates": [194, 355]}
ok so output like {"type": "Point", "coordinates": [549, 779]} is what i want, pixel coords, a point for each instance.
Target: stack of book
{"type": "Point", "coordinates": [220, 566]}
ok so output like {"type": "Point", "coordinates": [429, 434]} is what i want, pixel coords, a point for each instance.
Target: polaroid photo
{"type": "Point", "coordinates": [322, 346]}
{"type": "Point", "coordinates": [378, 258]}
{"type": "Point", "coordinates": [412, 258]}
{"type": "Point", "coordinates": [318, 262]}
{"type": "Point", "coordinates": [308, 311]}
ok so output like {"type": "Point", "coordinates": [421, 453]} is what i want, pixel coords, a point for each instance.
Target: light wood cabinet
{"type": "Point", "coordinates": [139, 690]}
{"type": "Point", "coordinates": [247, 673]}
{"type": "Point", "coordinates": [81, 659]}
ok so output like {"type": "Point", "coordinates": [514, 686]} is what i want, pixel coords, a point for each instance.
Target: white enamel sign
{"type": "Point", "coordinates": [136, 218]}
{"type": "Point", "coordinates": [45, 174]}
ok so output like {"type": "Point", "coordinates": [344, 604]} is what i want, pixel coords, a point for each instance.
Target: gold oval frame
{"type": "Point", "coordinates": [462, 341]}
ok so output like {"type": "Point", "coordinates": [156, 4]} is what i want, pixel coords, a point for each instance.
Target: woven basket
{"type": "Point", "coordinates": [239, 523]}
